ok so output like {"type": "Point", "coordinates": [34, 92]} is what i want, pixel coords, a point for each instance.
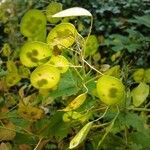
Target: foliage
{"type": "Point", "coordinates": [72, 112]}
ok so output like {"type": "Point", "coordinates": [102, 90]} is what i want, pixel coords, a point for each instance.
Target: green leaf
{"type": "Point", "coordinates": [24, 139]}
{"type": "Point", "coordinates": [129, 120]}
{"type": "Point", "coordinates": [142, 20]}
{"type": "Point", "coordinates": [52, 127]}
{"type": "Point", "coordinates": [67, 86]}
{"type": "Point", "coordinates": [141, 138]}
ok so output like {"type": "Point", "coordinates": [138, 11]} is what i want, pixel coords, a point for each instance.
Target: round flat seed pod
{"type": "Point", "coordinates": [39, 37]}
{"type": "Point", "coordinates": [138, 75]}
{"type": "Point", "coordinates": [91, 45]}
{"type": "Point", "coordinates": [110, 90]}
{"type": "Point", "coordinates": [32, 23]}
{"type": "Point", "coordinates": [52, 9]}
{"type": "Point", "coordinates": [147, 75]}
{"type": "Point", "coordinates": [45, 77]}
{"type": "Point", "coordinates": [34, 53]}
{"type": "Point", "coordinates": [60, 62]}
{"type": "Point", "coordinates": [62, 36]}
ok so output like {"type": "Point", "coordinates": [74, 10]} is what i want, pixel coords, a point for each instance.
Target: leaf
{"type": "Point", "coordinates": [67, 86]}
{"type": "Point", "coordinates": [80, 136]}
{"type": "Point", "coordinates": [141, 138]}
{"type": "Point", "coordinates": [53, 127]}
{"type": "Point", "coordinates": [30, 112]}
{"type": "Point", "coordinates": [75, 11]}
{"type": "Point", "coordinates": [24, 139]}
{"type": "Point", "coordinates": [142, 20]}
{"type": "Point", "coordinates": [140, 93]}
{"type": "Point", "coordinates": [128, 120]}
{"type": "Point", "coordinates": [76, 103]}
{"type": "Point", "coordinates": [7, 132]}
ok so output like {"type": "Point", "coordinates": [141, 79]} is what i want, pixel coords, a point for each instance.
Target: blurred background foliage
{"type": "Point", "coordinates": [122, 28]}
{"type": "Point", "coordinates": [119, 25]}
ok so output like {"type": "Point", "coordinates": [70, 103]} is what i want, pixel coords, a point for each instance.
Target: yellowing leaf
{"type": "Point", "coordinates": [140, 93]}
{"type": "Point", "coordinates": [75, 11]}
{"type": "Point", "coordinates": [30, 112]}
{"type": "Point", "coordinates": [7, 132]}
{"type": "Point", "coordinates": [80, 136]}
{"type": "Point", "coordinates": [76, 103]}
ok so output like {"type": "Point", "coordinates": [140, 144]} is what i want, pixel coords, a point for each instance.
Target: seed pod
{"type": "Point", "coordinates": [147, 75]}
{"type": "Point", "coordinates": [34, 53]}
{"type": "Point", "coordinates": [32, 23]}
{"type": "Point", "coordinates": [80, 136]}
{"type": "Point", "coordinates": [51, 9]}
{"type": "Point", "coordinates": [110, 90]}
{"type": "Point", "coordinates": [138, 75]}
{"type": "Point", "coordinates": [62, 36]}
{"type": "Point", "coordinates": [76, 103]}
{"type": "Point", "coordinates": [60, 62]}
{"type": "Point", "coordinates": [140, 93]}
{"type": "Point", "coordinates": [45, 77]}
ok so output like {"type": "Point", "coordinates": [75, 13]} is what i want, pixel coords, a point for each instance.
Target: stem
{"type": "Point", "coordinates": [100, 125]}
{"type": "Point", "coordinates": [38, 144]}
{"type": "Point", "coordinates": [102, 115]}
{"type": "Point", "coordinates": [91, 66]}
{"type": "Point", "coordinates": [108, 130]}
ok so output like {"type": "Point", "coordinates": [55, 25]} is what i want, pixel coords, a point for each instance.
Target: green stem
{"type": "Point", "coordinates": [100, 125]}
{"type": "Point", "coordinates": [109, 129]}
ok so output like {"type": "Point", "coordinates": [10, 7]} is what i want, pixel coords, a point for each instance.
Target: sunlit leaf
{"type": "Point", "coordinates": [7, 132]}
